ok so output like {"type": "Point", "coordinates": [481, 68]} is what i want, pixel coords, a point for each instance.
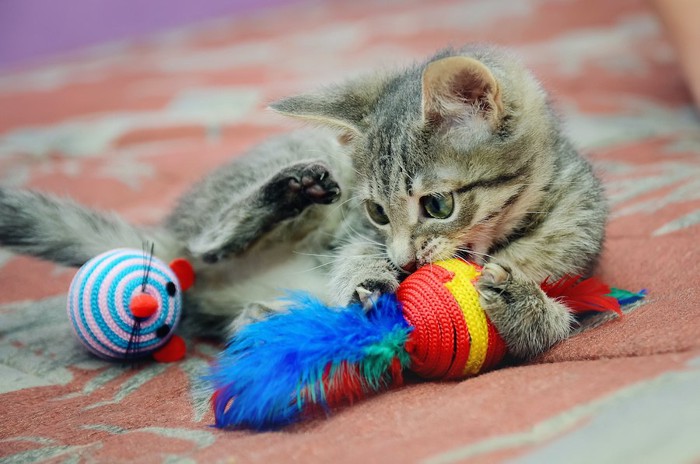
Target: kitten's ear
{"type": "Point", "coordinates": [343, 106]}
{"type": "Point", "coordinates": [457, 88]}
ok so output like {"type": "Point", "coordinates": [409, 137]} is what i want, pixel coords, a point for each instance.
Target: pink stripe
{"type": "Point", "coordinates": [92, 323]}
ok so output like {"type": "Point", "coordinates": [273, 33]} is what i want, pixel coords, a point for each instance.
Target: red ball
{"type": "Point", "coordinates": [452, 337]}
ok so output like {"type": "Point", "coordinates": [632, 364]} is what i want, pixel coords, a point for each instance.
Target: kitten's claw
{"type": "Point", "coordinates": [494, 275]}
{"type": "Point", "coordinates": [367, 298]}
{"type": "Point", "coordinates": [369, 292]}
{"type": "Point", "coordinates": [492, 283]}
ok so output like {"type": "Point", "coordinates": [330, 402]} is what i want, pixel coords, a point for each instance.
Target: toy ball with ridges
{"type": "Point", "coordinates": [126, 304]}
{"type": "Point", "coordinates": [314, 357]}
{"type": "Point", "coordinates": [452, 337]}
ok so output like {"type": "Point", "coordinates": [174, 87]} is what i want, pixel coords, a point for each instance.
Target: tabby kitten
{"type": "Point", "coordinates": [460, 156]}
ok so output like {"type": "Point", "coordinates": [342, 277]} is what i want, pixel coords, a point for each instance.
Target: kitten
{"type": "Point", "coordinates": [460, 156]}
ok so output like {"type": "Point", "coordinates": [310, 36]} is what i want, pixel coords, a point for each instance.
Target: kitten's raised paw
{"type": "Point", "coordinates": [314, 183]}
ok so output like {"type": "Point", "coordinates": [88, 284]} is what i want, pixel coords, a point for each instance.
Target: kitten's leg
{"type": "Point", "coordinates": [361, 273]}
{"type": "Point", "coordinates": [254, 312]}
{"type": "Point", "coordinates": [220, 312]}
{"type": "Point", "coordinates": [283, 196]}
{"type": "Point", "coordinates": [528, 320]}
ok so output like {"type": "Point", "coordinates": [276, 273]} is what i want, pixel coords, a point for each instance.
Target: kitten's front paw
{"type": "Point", "coordinates": [528, 320]}
{"type": "Point", "coordinates": [301, 185]}
{"type": "Point", "coordinates": [315, 183]}
{"type": "Point", "coordinates": [492, 282]}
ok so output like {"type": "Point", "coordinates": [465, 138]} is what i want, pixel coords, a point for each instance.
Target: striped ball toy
{"type": "Point", "coordinates": [125, 304]}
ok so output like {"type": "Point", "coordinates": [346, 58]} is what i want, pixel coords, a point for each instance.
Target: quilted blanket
{"type": "Point", "coordinates": [127, 127]}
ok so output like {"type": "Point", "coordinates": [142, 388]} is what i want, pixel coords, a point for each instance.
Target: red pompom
{"type": "Point", "coordinates": [184, 272]}
{"type": "Point", "coordinates": [143, 305]}
{"type": "Point", "coordinates": [173, 351]}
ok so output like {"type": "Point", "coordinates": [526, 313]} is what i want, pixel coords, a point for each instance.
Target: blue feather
{"type": "Point", "coordinates": [273, 370]}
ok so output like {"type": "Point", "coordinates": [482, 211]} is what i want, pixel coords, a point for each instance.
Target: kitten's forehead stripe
{"type": "Point", "coordinates": [493, 181]}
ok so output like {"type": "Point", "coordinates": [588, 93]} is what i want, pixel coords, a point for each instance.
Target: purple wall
{"type": "Point", "coordinates": [31, 29]}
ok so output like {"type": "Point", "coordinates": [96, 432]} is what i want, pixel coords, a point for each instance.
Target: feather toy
{"type": "Point", "coordinates": [313, 357]}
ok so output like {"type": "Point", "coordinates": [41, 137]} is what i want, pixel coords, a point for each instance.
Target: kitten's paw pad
{"type": "Point", "coordinates": [304, 184]}
{"type": "Point", "coordinates": [213, 257]}
{"type": "Point", "coordinates": [317, 184]}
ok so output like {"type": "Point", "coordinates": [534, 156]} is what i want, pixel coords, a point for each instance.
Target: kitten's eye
{"type": "Point", "coordinates": [376, 213]}
{"type": "Point", "coordinates": [439, 206]}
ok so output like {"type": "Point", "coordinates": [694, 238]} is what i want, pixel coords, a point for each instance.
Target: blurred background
{"type": "Point", "coordinates": [34, 29]}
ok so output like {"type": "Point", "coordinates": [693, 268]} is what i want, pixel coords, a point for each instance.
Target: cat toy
{"type": "Point", "coordinates": [125, 305]}
{"type": "Point", "coordinates": [314, 357]}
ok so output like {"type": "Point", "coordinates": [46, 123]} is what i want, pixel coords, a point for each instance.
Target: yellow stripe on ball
{"type": "Point", "coordinates": [465, 294]}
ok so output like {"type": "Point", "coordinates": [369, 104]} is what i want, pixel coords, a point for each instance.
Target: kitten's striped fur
{"type": "Point", "coordinates": [473, 123]}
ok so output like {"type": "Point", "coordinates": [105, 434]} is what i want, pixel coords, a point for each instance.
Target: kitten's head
{"type": "Point", "coordinates": [450, 155]}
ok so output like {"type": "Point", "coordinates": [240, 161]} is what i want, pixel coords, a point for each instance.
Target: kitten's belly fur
{"type": "Point", "coordinates": [265, 277]}
{"type": "Point", "coordinates": [294, 257]}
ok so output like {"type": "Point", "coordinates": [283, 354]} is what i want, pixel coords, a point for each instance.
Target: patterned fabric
{"type": "Point", "coordinates": [129, 126]}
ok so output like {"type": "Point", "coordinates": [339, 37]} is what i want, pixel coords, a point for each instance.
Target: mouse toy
{"type": "Point", "coordinates": [125, 304]}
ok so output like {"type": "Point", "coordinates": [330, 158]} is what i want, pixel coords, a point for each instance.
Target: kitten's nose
{"type": "Point", "coordinates": [409, 266]}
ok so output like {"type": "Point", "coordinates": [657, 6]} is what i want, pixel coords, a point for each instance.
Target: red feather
{"type": "Point", "coordinates": [582, 295]}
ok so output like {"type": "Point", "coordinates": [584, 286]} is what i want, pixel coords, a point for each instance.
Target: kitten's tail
{"type": "Point", "coordinates": [62, 231]}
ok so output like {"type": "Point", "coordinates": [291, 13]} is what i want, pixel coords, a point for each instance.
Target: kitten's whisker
{"type": "Point", "coordinates": [313, 254]}
{"type": "Point", "coordinates": [317, 267]}
{"type": "Point", "coordinates": [337, 257]}
{"type": "Point", "coordinates": [478, 253]}
{"type": "Point", "coordinates": [363, 236]}
{"type": "Point", "coordinates": [339, 205]}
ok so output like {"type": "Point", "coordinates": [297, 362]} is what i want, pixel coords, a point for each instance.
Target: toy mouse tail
{"type": "Point", "coordinates": [276, 371]}
{"type": "Point", "coordinates": [60, 230]}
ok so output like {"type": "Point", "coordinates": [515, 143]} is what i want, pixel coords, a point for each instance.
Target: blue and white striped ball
{"type": "Point", "coordinates": [99, 304]}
